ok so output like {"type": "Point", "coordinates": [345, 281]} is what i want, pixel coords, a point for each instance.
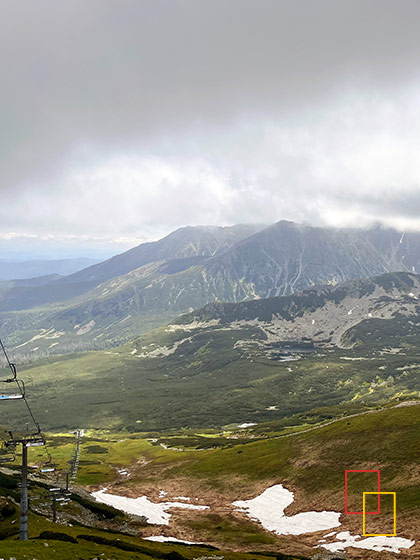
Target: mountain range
{"type": "Point", "coordinates": [350, 345]}
{"type": "Point", "coordinates": [150, 285]}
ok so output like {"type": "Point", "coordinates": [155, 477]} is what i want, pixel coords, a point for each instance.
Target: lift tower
{"type": "Point", "coordinates": [15, 390]}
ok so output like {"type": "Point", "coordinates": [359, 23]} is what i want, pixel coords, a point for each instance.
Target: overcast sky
{"type": "Point", "coordinates": [122, 120]}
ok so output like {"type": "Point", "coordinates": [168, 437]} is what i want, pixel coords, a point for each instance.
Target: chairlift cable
{"type": "Point", "coordinates": [21, 386]}
{"type": "Point", "coordinates": [9, 363]}
{"type": "Point", "coordinates": [28, 440]}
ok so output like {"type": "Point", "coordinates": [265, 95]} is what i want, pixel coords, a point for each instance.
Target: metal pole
{"type": "Point", "coordinates": [23, 534]}
{"type": "Point", "coordinates": [54, 509]}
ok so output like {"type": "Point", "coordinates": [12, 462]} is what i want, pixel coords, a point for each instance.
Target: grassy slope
{"type": "Point", "coordinates": [371, 438]}
{"type": "Point", "coordinates": [85, 550]}
{"type": "Point", "coordinates": [310, 463]}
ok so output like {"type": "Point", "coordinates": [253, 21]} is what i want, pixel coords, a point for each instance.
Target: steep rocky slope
{"type": "Point", "coordinates": [189, 269]}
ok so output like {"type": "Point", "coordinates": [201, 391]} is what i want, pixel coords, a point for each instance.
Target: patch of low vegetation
{"type": "Point", "coordinates": [96, 449]}
{"type": "Point", "coordinates": [121, 392]}
{"type": "Point", "coordinates": [49, 540]}
{"type": "Point", "coordinates": [230, 531]}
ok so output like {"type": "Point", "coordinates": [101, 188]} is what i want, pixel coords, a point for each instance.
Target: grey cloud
{"type": "Point", "coordinates": [112, 72]}
{"type": "Point", "coordinates": [84, 82]}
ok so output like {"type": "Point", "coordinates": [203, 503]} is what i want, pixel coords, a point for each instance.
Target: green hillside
{"type": "Point", "coordinates": [239, 465]}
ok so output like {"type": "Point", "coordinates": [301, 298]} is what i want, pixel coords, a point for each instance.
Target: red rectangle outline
{"type": "Point", "coordinates": [345, 492]}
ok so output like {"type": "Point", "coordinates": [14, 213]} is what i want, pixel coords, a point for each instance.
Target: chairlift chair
{"type": "Point", "coordinates": [10, 396]}
{"type": "Point", "coordinates": [13, 395]}
{"type": "Point", "coordinates": [49, 466]}
{"type": "Point", "coordinates": [36, 439]}
{"type": "Point", "coordinates": [7, 453]}
{"type": "Point", "coordinates": [14, 373]}
{"type": "Point", "coordinates": [35, 443]}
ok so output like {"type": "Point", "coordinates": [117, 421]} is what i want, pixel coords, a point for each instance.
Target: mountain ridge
{"type": "Point", "coordinates": [185, 242]}
{"type": "Point", "coordinates": [277, 260]}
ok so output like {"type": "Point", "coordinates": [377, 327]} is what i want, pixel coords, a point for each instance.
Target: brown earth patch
{"type": "Point", "coordinates": [220, 503]}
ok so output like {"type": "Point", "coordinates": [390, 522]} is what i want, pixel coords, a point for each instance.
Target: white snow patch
{"type": "Point", "coordinates": [86, 328]}
{"type": "Point", "coordinates": [356, 359]}
{"type": "Point", "coordinates": [247, 424]}
{"type": "Point", "coordinates": [155, 513]}
{"type": "Point", "coordinates": [193, 325]}
{"type": "Point", "coordinates": [268, 508]}
{"type": "Point", "coordinates": [162, 493]}
{"type": "Point", "coordinates": [163, 350]}
{"type": "Point", "coordinates": [44, 333]}
{"type": "Point", "coordinates": [162, 538]}
{"type": "Point", "coordinates": [379, 544]}
{"type": "Point", "coordinates": [182, 498]}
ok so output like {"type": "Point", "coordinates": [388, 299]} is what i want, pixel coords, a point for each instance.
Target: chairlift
{"type": "Point", "coordinates": [35, 443]}
{"type": "Point", "coordinates": [5, 395]}
{"type": "Point", "coordinates": [10, 396]}
{"type": "Point", "coordinates": [48, 466]}
{"type": "Point", "coordinates": [7, 453]}
{"type": "Point", "coordinates": [14, 373]}
{"type": "Point", "coordinates": [35, 440]}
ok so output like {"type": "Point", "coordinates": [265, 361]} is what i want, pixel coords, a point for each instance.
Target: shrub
{"type": "Point", "coordinates": [55, 536]}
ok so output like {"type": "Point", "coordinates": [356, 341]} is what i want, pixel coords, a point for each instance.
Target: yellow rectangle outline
{"type": "Point", "coordinates": [395, 516]}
